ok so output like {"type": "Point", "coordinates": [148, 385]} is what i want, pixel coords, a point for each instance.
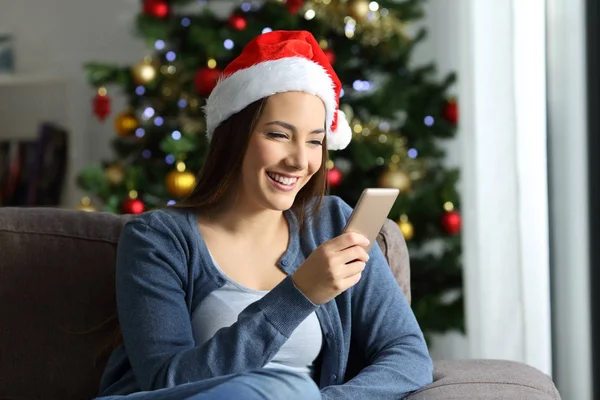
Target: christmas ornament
{"type": "Point", "coordinates": [101, 104]}
{"type": "Point", "coordinates": [294, 6]}
{"type": "Point", "coordinates": [180, 182]}
{"type": "Point", "coordinates": [132, 205]}
{"type": "Point", "coordinates": [237, 22]}
{"type": "Point", "coordinates": [394, 178]}
{"type": "Point", "coordinates": [334, 176]}
{"type": "Point", "coordinates": [451, 112]}
{"type": "Point", "coordinates": [206, 80]}
{"type": "Point", "coordinates": [358, 9]}
{"type": "Point", "coordinates": [144, 72]}
{"type": "Point", "coordinates": [330, 56]}
{"type": "Point", "coordinates": [156, 8]}
{"type": "Point", "coordinates": [86, 205]}
{"type": "Point", "coordinates": [406, 227]}
{"type": "Point", "coordinates": [115, 174]}
{"type": "Point", "coordinates": [301, 65]}
{"type": "Point", "coordinates": [451, 222]}
{"type": "Point", "coordinates": [126, 123]}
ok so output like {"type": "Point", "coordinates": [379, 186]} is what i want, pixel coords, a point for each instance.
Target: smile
{"type": "Point", "coordinates": [283, 182]}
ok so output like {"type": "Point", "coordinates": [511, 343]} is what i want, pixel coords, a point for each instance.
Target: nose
{"type": "Point", "coordinates": [297, 157]}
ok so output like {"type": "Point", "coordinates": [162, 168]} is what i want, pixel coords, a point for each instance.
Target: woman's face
{"type": "Point", "coordinates": [285, 150]}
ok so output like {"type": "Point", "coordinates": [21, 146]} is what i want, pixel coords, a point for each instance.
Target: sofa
{"type": "Point", "coordinates": [57, 307]}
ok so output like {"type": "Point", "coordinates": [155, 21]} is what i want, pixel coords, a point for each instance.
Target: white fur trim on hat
{"type": "Point", "coordinates": [245, 86]}
{"type": "Point", "coordinates": [342, 136]}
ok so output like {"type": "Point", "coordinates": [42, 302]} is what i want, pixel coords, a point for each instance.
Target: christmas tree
{"type": "Point", "coordinates": [398, 114]}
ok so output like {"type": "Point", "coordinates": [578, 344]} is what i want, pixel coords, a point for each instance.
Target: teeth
{"type": "Point", "coordinates": [282, 179]}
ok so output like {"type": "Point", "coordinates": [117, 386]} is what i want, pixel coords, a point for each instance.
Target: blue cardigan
{"type": "Point", "coordinates": [373, 347]}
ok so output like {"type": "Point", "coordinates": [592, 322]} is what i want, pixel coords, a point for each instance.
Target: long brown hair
{"type": "Point", "coordinates": [223, 165]}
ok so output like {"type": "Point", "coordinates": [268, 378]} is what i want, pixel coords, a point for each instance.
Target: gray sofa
{"type": "Point", "coordinates": [57, 298]}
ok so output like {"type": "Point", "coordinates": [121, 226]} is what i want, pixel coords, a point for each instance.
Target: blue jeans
{"type": "Point", "coordinates": [262, 384]}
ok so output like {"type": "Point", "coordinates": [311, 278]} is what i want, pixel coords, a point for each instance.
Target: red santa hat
{"type": "Point", "coordinates": [276, 62]}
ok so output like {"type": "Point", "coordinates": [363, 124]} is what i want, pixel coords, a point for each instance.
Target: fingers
{"type": "Point", "coordinates": [351, 254]}
{"type": "Point", "coordinates": [348, 239]}
{"type": "Point", "coordinates": [351, 280]}
{"type": "Point", "coordinates": [354, 268]}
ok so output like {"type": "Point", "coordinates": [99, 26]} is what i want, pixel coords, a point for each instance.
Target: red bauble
{"type": "Point", "coordinates": [132, 206]}
{"type": "Point", "coordinates": [206, 80]}
{"type": "Point", "coordinates": [101, 106]}
{"type": "Point", "coordinates": [156, 8]}
{"type": "Point", "coordinates": [330, 56]}
{"type": "Point", "coordinates": [451, 222]}
{"type": "Point", "coordinates": [237, 22]}
{"type": "Point", "coordinates": [334, 176]}
{"type": "Point", "coordinates": [294, 5]}
{"type": "Point", "coordinates": [451, 112]}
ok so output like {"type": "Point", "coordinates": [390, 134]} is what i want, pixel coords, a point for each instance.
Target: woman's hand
{"type": "Point", "coordinates": [333, 267]}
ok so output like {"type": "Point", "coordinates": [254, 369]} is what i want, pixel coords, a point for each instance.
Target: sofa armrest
{"type": "Point", "coordinates": [487, 379]}
{"type": "Point", "coordinates": [394, 248]}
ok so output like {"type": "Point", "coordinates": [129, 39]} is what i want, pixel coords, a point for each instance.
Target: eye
{"type": "Point", "coordinates": [277, 135]}
{"type": "Point", "coordinates": [316, 142]}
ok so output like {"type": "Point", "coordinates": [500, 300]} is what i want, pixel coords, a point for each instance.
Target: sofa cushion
{"type": "Point", "coordinates": [57, 301]}
{"type": "Point", "coordinates": [487, 380]}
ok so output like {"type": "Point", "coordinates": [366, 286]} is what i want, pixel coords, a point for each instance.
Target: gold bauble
{"type": "Point", "coordinates": [180, 183]}
{"type": "Point", "coordinates": [358, 9]}
{"type": "Point", "coordinates": [407, 229]}
{"type": "Point", "coordinates": [115, 174]}
{"type": "Point", "coordinates": [395, 179]}
{"type": "Point", "coordinates": [86, 205]}
{"type": "Point", "coordinates": [126, 123]}
{"type": "Point", "coordinates": [144, 72]}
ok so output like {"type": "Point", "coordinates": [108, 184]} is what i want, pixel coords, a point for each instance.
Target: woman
{"type": "Point", "coordinates": [248, 289]}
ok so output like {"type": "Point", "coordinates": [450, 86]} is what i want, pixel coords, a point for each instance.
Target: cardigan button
{"type": "Point", "coordinates": [328, 335]}
{"type": "Point", "coordinates": [333, 378]}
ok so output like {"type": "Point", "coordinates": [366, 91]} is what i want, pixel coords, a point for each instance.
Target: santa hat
{"type": "Point", "coordinates": [276, 62]}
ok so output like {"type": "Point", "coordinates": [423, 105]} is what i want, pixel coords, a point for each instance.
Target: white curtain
{"type": "Point", "coordinates": [567, 114]}
{"type": "Point", "coordinates": [505, 193]}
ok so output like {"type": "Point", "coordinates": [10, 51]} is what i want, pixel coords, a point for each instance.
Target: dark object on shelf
{"type": "Point", "coordinates": [32, 172]}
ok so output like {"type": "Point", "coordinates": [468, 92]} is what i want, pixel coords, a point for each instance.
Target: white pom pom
{"type": "Point", "coordinates": [342, 136]}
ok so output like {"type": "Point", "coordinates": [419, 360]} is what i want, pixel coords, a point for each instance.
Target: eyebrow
{"type": "Point", "coordinates": [292, 127]}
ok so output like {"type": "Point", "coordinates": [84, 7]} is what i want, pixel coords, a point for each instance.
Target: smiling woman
{"type": "Point", "coordinates": [242, 290]}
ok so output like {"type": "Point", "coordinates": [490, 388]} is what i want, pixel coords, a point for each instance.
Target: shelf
{"type": "Point", "coordinates": [29, 79]}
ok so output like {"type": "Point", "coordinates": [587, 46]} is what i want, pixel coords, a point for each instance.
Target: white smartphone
{"type": "Point", "coordinates": [370, 212]}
